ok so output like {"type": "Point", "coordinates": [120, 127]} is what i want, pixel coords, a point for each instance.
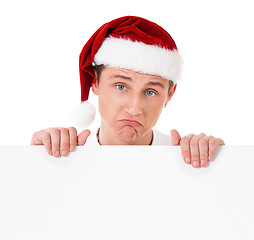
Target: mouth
{"type": "Point", "coordinates": [131, 122]}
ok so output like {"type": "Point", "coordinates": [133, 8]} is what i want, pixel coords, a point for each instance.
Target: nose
{"type": "Point", "coordinates": [134, 105]}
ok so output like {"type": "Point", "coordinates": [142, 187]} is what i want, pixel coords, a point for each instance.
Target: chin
{"type": "Point", "coordinates": [128, 135]}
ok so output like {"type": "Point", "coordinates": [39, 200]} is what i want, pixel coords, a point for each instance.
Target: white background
{"type": "Point", "coordinates": [39, 50]}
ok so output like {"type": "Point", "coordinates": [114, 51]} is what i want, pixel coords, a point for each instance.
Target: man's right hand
{"type": "Point", "coordinates": [60, 141]}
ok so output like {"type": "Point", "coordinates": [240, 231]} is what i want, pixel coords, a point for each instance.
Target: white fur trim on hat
{"type": "Point", "coordinates": [140, 57]}
{"type": "Point", "coordinates": [83, 114]}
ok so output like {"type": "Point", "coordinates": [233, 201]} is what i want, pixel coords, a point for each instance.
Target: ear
{"type": "Point", "coordinates": [171, 93]}
{"type": "Point", "coordinates": [95, 86]}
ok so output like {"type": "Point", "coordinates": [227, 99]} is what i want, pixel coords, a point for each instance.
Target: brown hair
{"type": "Point", "coordinates": [98, 70]}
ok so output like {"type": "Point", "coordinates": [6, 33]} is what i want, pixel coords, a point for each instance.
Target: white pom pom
{"type": "Point", "coordinates": [84, 114]}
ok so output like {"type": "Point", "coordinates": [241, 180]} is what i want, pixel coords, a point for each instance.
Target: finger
{"type": "Point", "coordinates": [55, 141]}
{"type": "Point", "coordinates": [65, 142]}
{"type": "Point", "coordinates": [213, 144]}
{"type": "Point", "coordinates": [36, 138]}
{"type": "Point", "coordinates": [175, 137]}
{"type": "Point", "coordinates": [83, 136]}
{"type": "Point", "coordinates": [42, 138]}
{"type": "Point", "coordinates": [194, 149]}
{"type": "Point", "coordinates": [204, 150]}
{"type": "Point", "coordinates": [185, 148]}
{"type": "Point", "coordinates": [73, 138]}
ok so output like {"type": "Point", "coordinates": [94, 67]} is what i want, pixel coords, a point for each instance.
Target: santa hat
{"type": "Point", "coordinates": [131, 43]}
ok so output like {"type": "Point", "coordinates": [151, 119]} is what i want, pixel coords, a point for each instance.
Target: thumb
{"type": "Point", "coordinates": [83, 136]}
{"type": "Point", "coordinates": [175, 137]}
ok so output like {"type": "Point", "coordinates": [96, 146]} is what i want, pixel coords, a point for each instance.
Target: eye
{"type": "Point", "coordinates": [150, 93]}
{"type": "Point", "coordinates": [120, 86]}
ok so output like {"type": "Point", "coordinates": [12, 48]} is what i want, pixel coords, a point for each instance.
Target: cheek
{"type": "Point", "coordinates": [153, 110]}
{"type": "Point", "coordinates": [110, 105]}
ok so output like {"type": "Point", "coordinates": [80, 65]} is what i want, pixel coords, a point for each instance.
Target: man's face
{"type": "Point", "coordinates": [130, 103]}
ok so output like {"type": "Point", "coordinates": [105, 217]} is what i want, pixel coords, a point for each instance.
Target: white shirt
{"type": "Point", "coordinates": [158, 139]}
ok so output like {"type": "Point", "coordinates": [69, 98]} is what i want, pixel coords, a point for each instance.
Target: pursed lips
{"type": "Point", "coordinates": [131, 122]}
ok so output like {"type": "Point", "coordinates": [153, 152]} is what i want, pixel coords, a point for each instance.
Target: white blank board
{"type": "Point", "coordinates": [125, 192]}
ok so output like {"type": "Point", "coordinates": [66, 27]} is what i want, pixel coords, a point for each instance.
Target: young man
{"type": "Point", "coordinates": [133, 65]}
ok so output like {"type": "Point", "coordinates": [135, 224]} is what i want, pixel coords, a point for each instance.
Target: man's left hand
{"type": "Point", "coordinates": [197, 150]}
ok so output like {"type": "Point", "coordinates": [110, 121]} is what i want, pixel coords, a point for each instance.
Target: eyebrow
{"type": "Point", "coordinates": [122, 76]}
{"type": "Point", "coordinates": [156, 84]}
{"type": "Point", "coordinates": [152, 83]}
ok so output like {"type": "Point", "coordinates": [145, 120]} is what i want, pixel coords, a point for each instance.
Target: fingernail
{"type": "Point", "coordinates": [187, 160]}
{"type": "Point", "coordinates": [50, 152]}
{"type": "Point", "coordinates": [64, 153]}
{"type": "Point", "coordinates": [195, 164]}
{"type": "Point", "coordinates": [203, 163]}
{"type": "Point", "coordinates": [57, 154]}
{"type": "Point", "coordinates": [71, 148]}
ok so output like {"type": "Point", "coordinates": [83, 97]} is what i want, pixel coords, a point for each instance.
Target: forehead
{"type": "Point", "coordinates": [112, 73]}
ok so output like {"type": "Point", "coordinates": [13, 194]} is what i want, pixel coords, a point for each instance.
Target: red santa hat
{"type": "Point", "coordinates": [129, 42]}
